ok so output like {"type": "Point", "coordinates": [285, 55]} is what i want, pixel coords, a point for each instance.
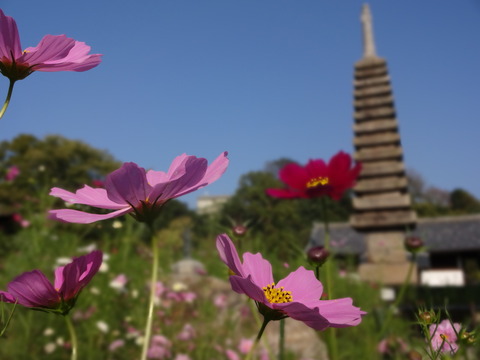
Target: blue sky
{"type": "Point", "coordinates": [262, 79]}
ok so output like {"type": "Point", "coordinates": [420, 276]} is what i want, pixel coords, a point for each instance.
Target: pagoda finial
{"type": "Point", "coordinates": [368, 41]}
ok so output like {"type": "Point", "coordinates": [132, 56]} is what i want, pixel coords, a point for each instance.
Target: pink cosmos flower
{"type": "Point", "coordinates": [182, 357]}
{"type": "Point", "coordinates": [12, 171]}
{"type": "Point", "coordinates": [32, 289]}
{"type": "Point", "coordinates": [220, 301]}
{"type": "Point", "coordinates": [317, 178]}
{"type": "Point", "coordinates": [158, 352]}
{"type": "Point", "coordinates": [20, 220]}
{"type": "Point", "coordinates": [231, 355]}
{"type": "Point", "coordinates": [160, 348]}
{"type": "Point", "coordinates": [392, 345]}
{"type": "Point", "coordinates": [159, 289]}
{"type": "Point", "coordinates": [116, 344]}
{"type": "Point", "coordinates": [53, 53]}
{"type": "Point", "coordinates": [133, 190]}
{"type": "Point", "coordinates": [296, 296]}
{"type": "Point", "coordinates": [188, 333]}
{"type": "Point", "coordinates": [119, 282]}
{"type": "Point", "coordinates": [444, 336]}
{"type": "Point", "coordinates": [245, 346]}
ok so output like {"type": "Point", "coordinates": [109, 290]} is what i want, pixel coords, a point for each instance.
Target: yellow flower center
{"type": "Point", "coordinates": [321, 180]}
{"type": "Point", "coordinates": [277, 295]}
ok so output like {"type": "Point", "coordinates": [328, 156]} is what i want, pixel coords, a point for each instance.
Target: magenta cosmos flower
{"type": "Point", "coordinates": [444, 336]}
{"type": "Point", "coordinates": [141, 193]}
{"type": "Point", "coordinates": [32, 289]}
{"type": "Point", "coordinates": [318, 178]}
{"type": "Point", "coordinates": [297, 296]}
{"type": "Point", "coordinates": [53, 53]}
{"type": "Point", "coordinates": [12, 173]}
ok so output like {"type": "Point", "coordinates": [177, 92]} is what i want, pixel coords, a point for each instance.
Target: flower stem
{"type": "Point", "coordinates": [8, 320]}
{"type": "Point", "coordinates": [281, 342]}
{"type": "Point", "coordinates": [73, 337]}
{"type": "Point", "coordinates": [400, 296]}
{"type": "Point", "coordinates": [262, 329]}
{"type": "Point", "coordinates": [332, 336]}
{"type": "Point", "coordinates": [7, 100]}
{"type": "Point", "coordinates": [153, 284]}
{"type": "Point", "coordinates": [265, 342]}
{"type": "Point", "coordinates": [257, 340]}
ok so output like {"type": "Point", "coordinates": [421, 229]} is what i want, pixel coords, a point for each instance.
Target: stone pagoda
{"type": "Point", "coordinates": [382, 204]}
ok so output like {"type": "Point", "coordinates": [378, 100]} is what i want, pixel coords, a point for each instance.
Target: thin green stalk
{"type": "Point", "coordinates": [332, 338]}
{"type": "Point", "coordinates": [7, 100]}
{"type": "Point", "coordinates": [281, 343]}
{"type": "Point", "coordinates": [257, 340]}
{"type": "Point", "coordinates": [9, 318]}
{"type": "Point", "coordinates": [258, 321]}
{"type": "Point", "coordinates": [73, 337]}
{"type": "Point", "coordinates": [153, 283]}
{"type": "Point", "coordinates": [400, 296]}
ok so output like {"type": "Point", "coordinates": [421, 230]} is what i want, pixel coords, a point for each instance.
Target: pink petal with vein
{"type": "Point", "coordinates": [341, 312]}
{"type": "Point", "coordinates": [88, 196]}
{"type": "Point", "coordinates": [80, 217]}
{"type": "Point", "coordinates": [258, 268]}
{"type": "Point", "coordinates": [247, 287]}
{"type": "Point", "coordinates": [217, 168]}
{"type": "Point", "coordinates": [193, 172]}
{"type": "Point", "coordinates": [128, 185]}
{"type": "Point", "coordinates": [229, 254]}
{"type": "Point", "coordinates": [9, 38]}
{"type": "Point", "coordinates": [303, 284]}
{"type": "Point", "coordinates": [50, 48]}
{"type": "Point", "coordinates": [76, 275]}
{"type": "Point", "coordinates": [310, 317]}
{"type": "Point", "coordinates": [32, 289]}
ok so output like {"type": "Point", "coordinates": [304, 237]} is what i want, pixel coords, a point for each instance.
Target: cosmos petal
{"type": "Point", "coordinates": [303, 284]}
{"type": "Point", "coordinates": [228, 254]}
{"type": "Point", "coordinates": [248, 287]}
{"type": "Point", "coordinates": [80, 217]}
{"type": "Point", "coordinates": [88, 196]}
{"type": "Point", "coordinates": [32, 289]}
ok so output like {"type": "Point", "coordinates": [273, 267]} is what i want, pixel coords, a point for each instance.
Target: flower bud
{"type": "Point", "coordinates": [413, 243]}
{"type": "Point", "coordinates": [317, 255]}
{"type": "Point", "coordinates": [239, 230]}
{"type": "Point", "coordinates": [427, 317]}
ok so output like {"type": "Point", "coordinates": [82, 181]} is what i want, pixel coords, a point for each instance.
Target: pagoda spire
{"type": "Point", "coordinates": [367, 25]}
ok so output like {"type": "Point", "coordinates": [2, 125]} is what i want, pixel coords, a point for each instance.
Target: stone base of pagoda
{"type": "Point", "coordinates": [387, 262]}
{"type": "Point", "coordinates": [387, 274]}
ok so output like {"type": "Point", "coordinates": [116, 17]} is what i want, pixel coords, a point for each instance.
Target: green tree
{"type": "Point", "coordinates": [461, 201]}
{"type": "Point", "coordinates": [45, 163]}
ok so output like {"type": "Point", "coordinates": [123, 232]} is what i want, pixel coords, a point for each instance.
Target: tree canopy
{"type": "Point", "coordinates": [44, 163]}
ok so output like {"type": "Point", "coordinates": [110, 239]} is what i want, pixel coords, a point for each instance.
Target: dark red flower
{"type": "Point", "coordinates": [318, 178]}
